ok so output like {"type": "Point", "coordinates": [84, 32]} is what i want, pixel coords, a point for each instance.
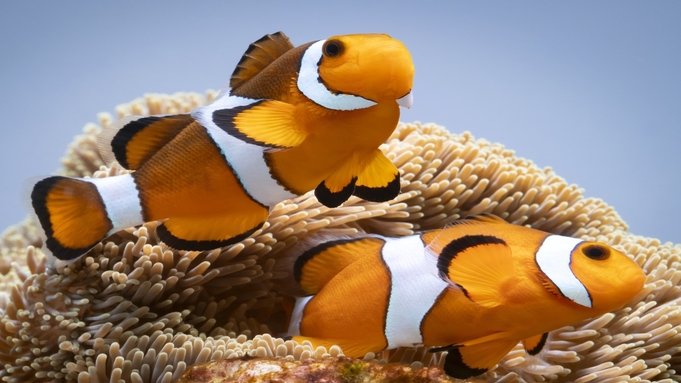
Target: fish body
{"type": "Point", "coordinates": [294, 119]}
{"type": "Point", "coordinates": [476, 289]}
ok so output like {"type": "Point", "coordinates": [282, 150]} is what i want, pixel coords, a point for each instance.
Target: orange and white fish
{"type": "Point", "coordinates": [295, 119]}
{"type": "Point", "coordinates": [475, 289]}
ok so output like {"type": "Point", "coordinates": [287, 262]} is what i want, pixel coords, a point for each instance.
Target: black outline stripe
{"type": "Point", "coordinates": [39, 202]}
{"type": "Point", "coordinates": [379, 194]}
{"type": "Point", "coordinates": [183, 244]}
{"type": "Point", "coordinates": [273, 174]}
{"type": "Point", "coordinates": [537, 349]}
{"type": "Point", "coordinates": [329, 199]}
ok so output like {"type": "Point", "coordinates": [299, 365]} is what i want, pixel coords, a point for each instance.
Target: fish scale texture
{"type": "Point", "coordinates": [135, 310]}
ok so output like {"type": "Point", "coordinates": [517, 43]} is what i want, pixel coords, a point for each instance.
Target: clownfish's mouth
{"type": "Point", "coordinates": [406, 101]}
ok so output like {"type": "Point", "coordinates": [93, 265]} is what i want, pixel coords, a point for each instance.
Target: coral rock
{"type": "Point", "coordinates": [331, 370]}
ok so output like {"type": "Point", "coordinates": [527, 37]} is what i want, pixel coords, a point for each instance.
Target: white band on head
{"type": "Point", "coordinates": [554, 257]}
{"type": "Point", "coordinates": [312, 88]}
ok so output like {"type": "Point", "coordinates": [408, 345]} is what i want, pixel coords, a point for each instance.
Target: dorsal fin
{"type": "Point", "coordinates": [259, 55]}
{"type": "Point", "coordinates": [133, 140]}
{"type": "Point", "coordinates": [316, 267]}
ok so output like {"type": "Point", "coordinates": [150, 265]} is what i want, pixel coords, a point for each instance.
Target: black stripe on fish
{"type": "Point", "coordinates": [184, 244]}
{"type": "Point", "coordinates": [311, 253]}
{"type": "Point", "coordinates": [460, 245]}
{"type": "Point", "coordinates": [379, 194]}
{"type": "Point", "coordinates": [329, 199]}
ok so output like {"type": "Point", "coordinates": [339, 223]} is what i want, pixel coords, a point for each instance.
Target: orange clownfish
{"type": "Point", "coordinates": [475, 289]}
{"type": "Point", "coordinates": [294, 119]}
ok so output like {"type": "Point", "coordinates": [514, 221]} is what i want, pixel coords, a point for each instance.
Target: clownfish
{"type": "Point", "coordinates": [294, 119]}
{"type": "Point", "coordinates": [474, 289]}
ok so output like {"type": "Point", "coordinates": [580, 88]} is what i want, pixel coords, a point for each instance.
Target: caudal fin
{"type": "Point", "coordinates": [72, 215]}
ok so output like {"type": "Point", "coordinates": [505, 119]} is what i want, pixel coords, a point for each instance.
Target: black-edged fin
{"type": "Point", "coordinates": [264, 123]}
{"type": "Point", "coordinates": [468, 361]}
{"type": "Point", "coordinates": [331, 198]}
{"type": "Point", "coordinates": [534, 344]}
{"type": "Point", "coordinates": [379, 181]}
{"type": "Point", "coordinates": [133, 140]}
{"type": "Point", "coordinates": [72, 214]}
{"type": "Point", "coordinates": [318, 265]}
{"type": "Point", "coordinates": [479, 264]}
{"type": "Point", "coordinates": [207, 233]}
{"type": "Point", "coordinates": [259, 55]}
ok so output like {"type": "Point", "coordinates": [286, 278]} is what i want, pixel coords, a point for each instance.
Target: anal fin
{"type": "Point", "coordinates": [379, 181]}
{"type": "Point", "coordinates": [534, 344]}
{"type": "Point", "coordinates": [339, 185]}
{"type": "Point", "coordinates": [463, 362]}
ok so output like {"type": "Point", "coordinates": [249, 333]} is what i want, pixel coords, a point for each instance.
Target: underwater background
{"type": "Point", "coordinates": [590, 89]}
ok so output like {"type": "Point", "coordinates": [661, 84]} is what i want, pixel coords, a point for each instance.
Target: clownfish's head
{"type": "Point", "coordinates": [610, 277]}
{"type": "Point", "coordinates": [591, 274]}
{"type": "Point", "coordinates": [357, 71]}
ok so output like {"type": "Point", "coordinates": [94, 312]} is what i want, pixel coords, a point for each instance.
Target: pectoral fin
{"type": "Point", "coordinates": [463, 362]}
{"type": "Point", "coordinates": [481, 265]}
{"type": "Point", "coordinates": [266, 123]}
{"type": "Point", "coordinates": [379, 180]}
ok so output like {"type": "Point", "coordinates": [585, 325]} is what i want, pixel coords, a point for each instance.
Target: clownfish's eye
{"type": "Point", "coordinates": [596, 252]}
{"type": "Point", "coordinates": [332, 48]}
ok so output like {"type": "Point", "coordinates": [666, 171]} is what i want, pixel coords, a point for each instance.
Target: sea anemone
{"type": "Point", "coordinates": [136, 310]}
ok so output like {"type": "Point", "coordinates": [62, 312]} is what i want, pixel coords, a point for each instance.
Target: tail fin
{"type": "Point", "coordinates": [71, 212]}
